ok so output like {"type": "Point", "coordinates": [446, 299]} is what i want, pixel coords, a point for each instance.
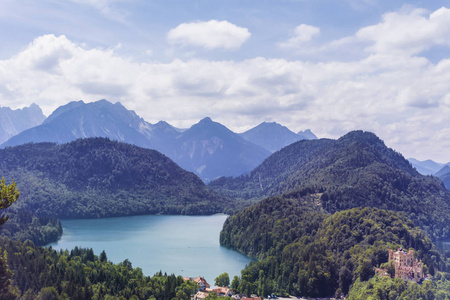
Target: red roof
{"type": "Point", "coordinates": [203, 280]}
{"type": "Point", "coordinates": [221, 290]}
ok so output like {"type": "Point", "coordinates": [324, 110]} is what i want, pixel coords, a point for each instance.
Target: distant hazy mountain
{"type": "Point", "coordinates": [212, 150]}
{"type": "Point", "coordinates": [444, 175]}
{"type": "Point", "coordinates": [307, 135]}
{"type": "Point", "coordinates": [83, 120]}
{"type": "Point", "coordinates": [426, 167]}
{"type": "Point", "coordinates": [13, 122]}
{"type": "Point", "coordinates": [273, 136]}
{"type": "Point", "coordinates": [97, 177]}
{"type": "Point", "coordinates": [208, 149]}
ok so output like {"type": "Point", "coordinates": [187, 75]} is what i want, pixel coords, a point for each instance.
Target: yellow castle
{"type": "Point", "coordinates": [406, 267]}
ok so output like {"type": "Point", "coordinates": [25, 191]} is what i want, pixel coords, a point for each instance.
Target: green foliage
{"type": "Point", "coordinates": [222, 280]}
{"type": "Point", "coordinates": [103, 257]}
{"type": "Point", "coordinates": [44, 273]}
{"type": "Point", "coordinates": [268, 226]}
{"type": "Point", "coordinates": [213, 296]}
{"type": "Point", "coordinates": [357, 170]}
{"type": "Point", "coordinates": [8, 195]}
{"type": "Point", "coordinates": [314, 254]}
{"type": "Point", "coordinates": [235, 283]}
{"type": "Point", "coordinates": [386, 288]}
{"type": "Point", "coordinates": [96, 177]}
{"type": "Point", "coordinates": [5, 277]}
{"type": "Point", "coordinates": [23, 226]}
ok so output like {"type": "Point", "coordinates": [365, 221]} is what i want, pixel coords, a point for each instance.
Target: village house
{"type": "Point", "coordinates": [201, 282]}
{"type": "Point", "coordinates": [223, 291]}
{"type": "Point", "coordinates": [200, 295]}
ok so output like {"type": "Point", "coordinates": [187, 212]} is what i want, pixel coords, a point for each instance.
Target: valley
{"type": "Point", "coordinates": [315, 218]}
{"type": "Point", "coordinates": [214, 150]}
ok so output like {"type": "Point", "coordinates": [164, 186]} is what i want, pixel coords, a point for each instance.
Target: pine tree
{"type": "Point", "coordinates": [8, 195]}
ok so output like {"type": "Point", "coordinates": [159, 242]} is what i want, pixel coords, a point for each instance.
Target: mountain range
{"type": "Point", "coordinates": [427, 167]}
{"type": "Point", "coordinates": [13, 122]}
{"type": "Point", "coordinates": [208, 148]}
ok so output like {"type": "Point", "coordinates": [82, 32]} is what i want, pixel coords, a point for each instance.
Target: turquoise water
{"type": "Point", "coordinates": [183, 245]}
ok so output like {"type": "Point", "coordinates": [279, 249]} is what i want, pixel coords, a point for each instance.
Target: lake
{"type": "Point", "coordinates": [183, 245]}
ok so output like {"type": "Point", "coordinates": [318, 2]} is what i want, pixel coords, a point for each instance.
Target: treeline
{"type": "Point", "coordinates": [305, 252]}
{"type": "Point", "coordinates": [23, 225]}
{"type": "Point", "coordinates": [357, 170]}
{"type": "Point", "coordinates": [35, 272]}
{"type": "Point", "coordinates": [96, 177]}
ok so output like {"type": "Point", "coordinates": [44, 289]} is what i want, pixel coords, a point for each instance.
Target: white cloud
{"type": "Point", "coordinates": [302, 35]}
{"type": "Point", "coordinates": [210, 35]}
{"type": "Point", "coordinates": [403, 98]}
{"type": "Point", "coordinates": [408, 32]}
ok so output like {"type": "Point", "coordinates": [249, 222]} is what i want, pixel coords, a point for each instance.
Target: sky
{"type": "Point", "coordinates": [328, 65]}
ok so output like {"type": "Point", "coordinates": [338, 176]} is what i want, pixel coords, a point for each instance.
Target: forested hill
{"type": "Point", "coordinates": [354, 171]}
{"type": "Point", "coordinates": [305, 251]}
{"type": "Point", "coordinates": [96, 177]}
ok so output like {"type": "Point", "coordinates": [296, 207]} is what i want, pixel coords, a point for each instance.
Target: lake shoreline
{"type": "Point", "coordinates": [183, 245]}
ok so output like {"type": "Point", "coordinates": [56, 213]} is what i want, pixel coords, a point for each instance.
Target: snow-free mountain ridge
{"type": "Point", "coordinates": [13, 122]}
{"type": "Point", "coordinates": [426, 167]}
{"type": "Point", "coordinates": [208, 148]}
{"type": "Point", "coordinates": [273, 136]}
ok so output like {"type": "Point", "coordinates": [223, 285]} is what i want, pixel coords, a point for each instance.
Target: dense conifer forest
{"type": "Point", "coordinates": [32, 272]}
{"type": "Point", "coordinates": [96, 177]}
{"type": "Point", "coordinates": [354, 171]}
{"type": "Point", "coordinates": [23, 225]}
{"type": "Point", "coordinates": [330, 212]}
{"type": "Point", "coordinates": [306, 252]}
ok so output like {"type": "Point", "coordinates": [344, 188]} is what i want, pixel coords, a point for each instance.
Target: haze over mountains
{"type": "Point", "coordinates": [427, 167]}
{"type": "Point", "coordinates": [273, 136]}
{"type": "Point", "coordinates": [208, 148]}
{"type": "Point", "coordinates": [444, 175]}
{"type": "Point", "coordinates": [13, 122]}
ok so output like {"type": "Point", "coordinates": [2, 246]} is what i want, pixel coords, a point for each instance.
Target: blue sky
{"type": "Point", "coordinates": [331, 66]}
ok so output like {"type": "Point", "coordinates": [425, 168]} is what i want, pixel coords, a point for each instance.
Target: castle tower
{"type": "Point", "coordinates": [391, 255]}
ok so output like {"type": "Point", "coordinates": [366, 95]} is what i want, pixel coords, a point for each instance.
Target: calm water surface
{"type": "Point", "coordinates": [183, 245]}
